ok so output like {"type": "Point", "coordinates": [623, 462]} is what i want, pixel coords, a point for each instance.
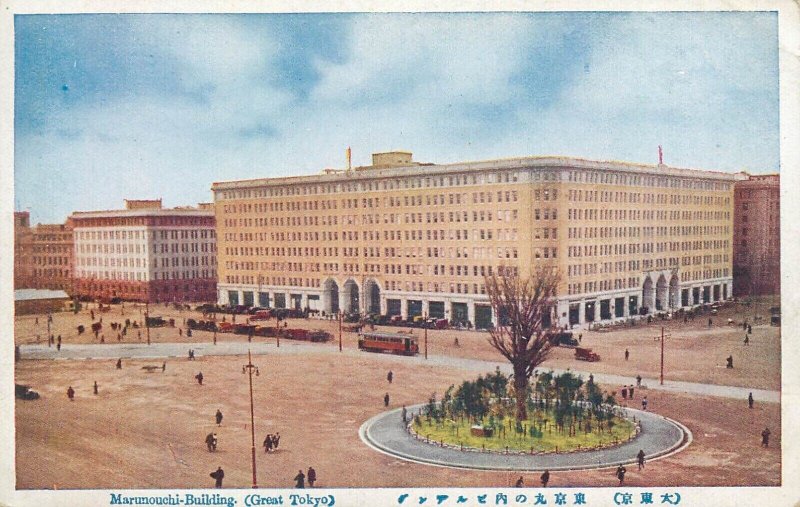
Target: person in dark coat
{"type": "Point", "coordinates": [58, 344]}
{"type": "Point", "coordinates": [276, 440]}
{"type": "Point", "coordinates": [627, 354]}
{"type": "Point", "coordinates": [624, 393]}
{"type": "Point", "coordinates": [211, 442]}
{"type": "Point", "coordinates": [389, 376]}
{"type": "Point", "coordinates": [747, 339]}
{"type": "Point", "coordinates": [268, 443]}
{"type": "Point", "coordinates": [163, 367]}
{"type": "Point", "coordinates": [640, 458]}
{"type": "Point", "coordinates": [218, 475]}
{"type": "Point", "coordinates": [119, 363]}
{"type": "Point", "coordinates": [765, 437]}
{"type": "Point", "coordinates": [386, 400]}
{"type": "Point", "coordinates": [545, 478]}
{"type": "Point", "coordinates": [638, 381]}
{"type": "Point", "coordinates": [312, 476]}
{"type": "Point", "coordinates": [729, 360]}
{"type": "Point", "coordinates": [621, 474]}
{"type": "Point", "coordinates": [199, 378]}
{"type": "Point", "coordinates": [71, 393]}
{"type": "Point", "coordinates": [218, 417]}
{"type": "Point", "coordinates": [300, 480]}
{"type": "Point", "coordinates": [95, 387]}
{"type": "Point", "coordinates": [750, 400]}
{"type": "Point", "coordinates": [630, 392]}
{"type": "Point", "coordinates": [520, 483]}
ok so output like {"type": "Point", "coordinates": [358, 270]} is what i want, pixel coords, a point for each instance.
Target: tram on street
{"type": "Point", "coordinates": [393, 343]}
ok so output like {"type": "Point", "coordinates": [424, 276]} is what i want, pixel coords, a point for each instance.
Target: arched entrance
{"type": "Point", "coordinates": [372, 292]}
{"type": "Point", "coordinates": [647, 295]}
{"type": "Point", "coordinates": [330, 296]}
{"type": "Point", "coordinates": [661, 293]}
{"type": "Point", "coordinates": [350, 303]}
{"type": "Point", "coordinates": [674, 292]}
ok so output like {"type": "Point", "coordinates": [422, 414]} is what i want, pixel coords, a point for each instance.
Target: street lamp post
{"type": "Point", "coordinates": [425, 332]}
{"type": "Point", "coordinates": [340, 331]}
{"type": "Point", "coordinates": [663, 339]}
{"type": "Point", "coordinates": [249, 368]}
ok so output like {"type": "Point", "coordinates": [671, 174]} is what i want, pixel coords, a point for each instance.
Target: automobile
{"type": "Point", "coordinates": [564, 339]}
{"type": "Point", "coordinates": [24, 392]}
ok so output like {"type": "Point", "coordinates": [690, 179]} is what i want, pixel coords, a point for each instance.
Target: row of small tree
{"type": "Point", "coordinates": [565, 401]}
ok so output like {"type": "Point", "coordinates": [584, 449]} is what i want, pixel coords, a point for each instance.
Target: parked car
{"type": "Point", "coordinates": [24, 392]}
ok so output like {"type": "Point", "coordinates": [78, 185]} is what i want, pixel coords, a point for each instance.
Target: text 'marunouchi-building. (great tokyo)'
{"type": "Point", "coordinates": [145, 253]}
{"type": "Point", "coordinates": [400, 237]}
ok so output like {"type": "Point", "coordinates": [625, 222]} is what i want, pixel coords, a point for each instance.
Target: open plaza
{"type": "Point", "coordinates": [145, 428]}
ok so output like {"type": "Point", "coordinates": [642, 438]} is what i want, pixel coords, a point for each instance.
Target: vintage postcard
{"type": "Point", "coordinates": [390, 254]}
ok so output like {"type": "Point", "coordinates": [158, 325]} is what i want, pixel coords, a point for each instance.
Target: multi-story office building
{"type": "Point", "coordinates": [23, 249]}
{"type": "Point", "coordinates": [52, 256]}
{"type": "Point", "coordinates": [400, 237]}
{"type": "Point", "coordinates": [757, 236]}
{"type": "Point", "coordinates": [146, 253]}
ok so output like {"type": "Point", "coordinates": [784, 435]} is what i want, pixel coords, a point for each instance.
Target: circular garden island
{"type": "Point", "coordinates": [561, 413]}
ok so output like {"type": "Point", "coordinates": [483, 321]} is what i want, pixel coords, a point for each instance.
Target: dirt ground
{"type": "Point", "coordinates": [694, 352]}
{"type": "Point", "coordinates": [147, 430]}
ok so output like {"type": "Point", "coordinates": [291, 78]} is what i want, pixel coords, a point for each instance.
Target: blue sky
{"type": "Point", "coordinates": [109, 107]}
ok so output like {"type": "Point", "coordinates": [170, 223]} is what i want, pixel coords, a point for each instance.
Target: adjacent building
{"type": "Point", "coordinates": [405, 238]}
{"type": "Point", "coordinates": [23, 248]}
{"type": "Point", "coordinates": [146, 253]}
{"type": "Point", "coordinates": [42, 255]}
{"type": "Point", "coordinates": [757, 236]}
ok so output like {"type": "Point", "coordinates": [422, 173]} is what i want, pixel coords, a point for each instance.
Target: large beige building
{"type": "Point", "coordinates": [400, 237]}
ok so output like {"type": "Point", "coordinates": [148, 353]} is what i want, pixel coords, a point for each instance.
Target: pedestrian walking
{"type": "Point", "coordinates": [71, 393]}
{"type": "Point", "coordinates": [640, 459]}
{"type": "Point", "coordinates": [389, 376]}
{"type": "Point", "coordinates": [729, 360]}
{"type": "Point", "coordinates": [211, 442]}
{"type": "Point", "coordinates": [710, 322]}
{"type": "Point", "coordinates": [765, 437]}
{"type": "Point", "coordinates": [58, 345]}
{"type": "Point", "coordinates": [630, 392]}
{"type": "Point", "coordinates": [276, 440]}
{"type": "Point", "coordinates": [300, 480]}
{"type": "Point", "coordinates": [747, 339]}
{"type": "Point", "coordinates": [163, 367]}
{"type": "Point", "coordinates": [638, 381]}
{"type": "Point", "coordinates": [218, 475]}
{"type": "Point", "coordinates": [644, 403]}
{"type": "Point", "coordinates": [621, 474]}
{"type": "Point", "coordinates": [180, 332]}
{"type": "Point", "coordinates": [218, 418]}
{"type": "Point", "coordinates": [312, 476]}
{"type": "Point", "coordinates": [580, 337]}
{"type": "Point", "coordinates": [750, 400]}
{"type": "Point", "coordinates": [545, 478]}
{"type": "Point", "coordinates": [386, 400]}
{"type": "Point", "coordinates": [627, 354]}
{"type": "Point", "coordinates": [119, 363]}
{"type": "Point", "coordinates": [268, 443]}
{"type": "Point", "coordinates": [405, 414]}
{"type": "Point", "coordinates": [624, 393]}
{"type": "Point", "coordinates": [749, 329]}
{"type": "Point", "coordinates": [199, 378]}
{"type": "Point", "coordinates": [520, 483]}
{"type": "Point", "coordinates": [95, 388]}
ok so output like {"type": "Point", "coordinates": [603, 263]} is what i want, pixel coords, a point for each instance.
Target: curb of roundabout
{"type": "Point", "coordinates": [407, 448]}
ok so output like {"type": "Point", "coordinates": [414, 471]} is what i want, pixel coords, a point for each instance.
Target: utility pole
{"type": "Point", "coordinates": [146, 317]}
{"type": "Point", "coordinates": [249, 367]}
{"type": "Point", "coordinates": [425, 333]}
{"type": "Point", "coordinates": [663, 338]}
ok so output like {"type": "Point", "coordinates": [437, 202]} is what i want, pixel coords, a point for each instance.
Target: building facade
{"type": "Point", "coordinates": [23, 249]}
{"type": "Point", "coordinates": [757, 236]}
{"type": "Point", "coordinates": [42, 254]}
{"type": "Point", "coordinates": [400, 237]}
{"type": "Point", "coordinates": [146, 253]}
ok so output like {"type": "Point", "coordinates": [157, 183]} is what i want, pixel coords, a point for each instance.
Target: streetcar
{"type": "Point", "coordinates": [388, 342]}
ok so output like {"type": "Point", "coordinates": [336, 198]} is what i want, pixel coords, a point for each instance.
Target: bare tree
{"type": "Point", "coordinates": [521, 306]}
